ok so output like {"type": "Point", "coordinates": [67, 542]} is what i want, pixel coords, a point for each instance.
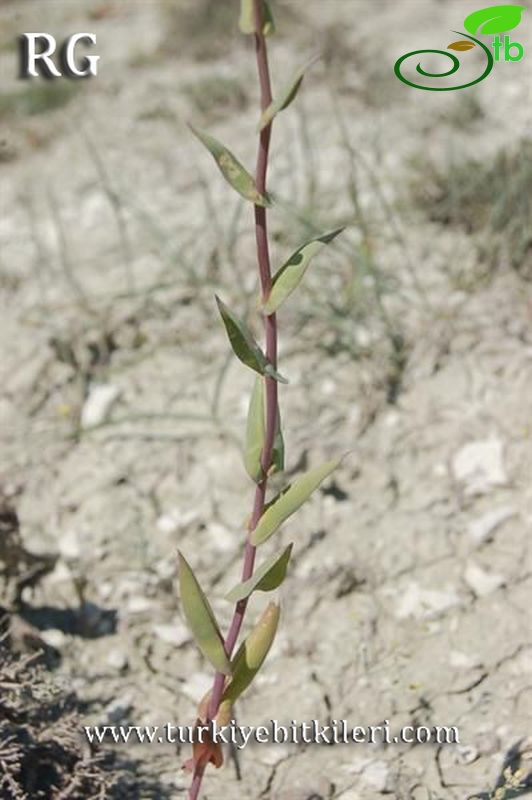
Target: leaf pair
{"type": "Point", "coordinates": [256, 436]}
{"type": "Point", "coordinates": [206, 633]}
{"type": "Point", "coordinates": [244, 345]}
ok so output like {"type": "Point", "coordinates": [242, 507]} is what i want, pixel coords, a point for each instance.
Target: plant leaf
{"type": "Point", "coordinates": [201, 619]}
{"type": "Point", "coordinates": [286, 96]}
{"type": "Point", "coordinates": [252, 653]}
{"type": "Point", "coordinates": [256, 435]}
{"type": "Point", "coordinates": [278, 448]}
{"type": "Point", "coordinates": [255, 432]}
{"type": "Point", "coordinates": [290, 275]}
{"type": "Point", "coordinates": [463, 44]}
{"type": "Point", "coordinates": [266, 578]}
{"type": "Point", "coordinates": [290, 500]}
{"type": "Point", "coordinates": [244, 345]}
{"type": "Point", "coordinates": [232, 170]}
{"type": "Point", "coordinates": [246, 22]}
{"type": "Point", "coordinates": [495, 19]}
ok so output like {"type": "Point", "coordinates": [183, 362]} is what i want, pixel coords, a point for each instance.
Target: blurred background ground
{"type": "Point", "coordinates": [122, 411]}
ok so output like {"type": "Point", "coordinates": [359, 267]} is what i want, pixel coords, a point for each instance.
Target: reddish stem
{"type": "Point", "coordinates": [270, 333]}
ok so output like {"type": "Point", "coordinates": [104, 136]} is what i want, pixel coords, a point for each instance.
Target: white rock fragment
{"type": "Point", "coordinates": [69, 546]}
{"type": "Point", "coordinates": [480, 581]}
{"type": "Point", "coordinates": [98, 404]}
{"type": "Point", "coordinates": [479, 466]}
{"type": "Point", "coordinates": [221, 538]}
{"type": "Point", "coordinates": [53, 638]}
{"type": "Point", "coordinates": [174, 633]}
{"type": "Point", "coordinates": [175, 520]}
{"type": "Point", "coordinates": [138, 604]}
{"type": "Point", "coordinates": [426, 603]}
{"type": "Point", "coordinates": [117, 710]}
{"type": "Point", "coordinates": [117, 660]}
{"type": "Point", "coordinates": [462, 661]}
{"type": "Point", "coordinates": [376, 775]}
{"type": "Point", "coordinates": [482, 529]}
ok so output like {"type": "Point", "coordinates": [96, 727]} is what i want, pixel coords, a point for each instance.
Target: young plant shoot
{"type": "Point", "coordinates": [264, 447]}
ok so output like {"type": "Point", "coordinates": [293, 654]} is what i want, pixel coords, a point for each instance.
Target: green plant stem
{"type": "Point", "coordinates": [270, 333]}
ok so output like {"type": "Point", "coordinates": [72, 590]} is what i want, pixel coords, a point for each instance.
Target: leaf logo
{"type": "Point", "coordinates": [463, 44]}
{"type": "Point", "coordinates": [495, 19]}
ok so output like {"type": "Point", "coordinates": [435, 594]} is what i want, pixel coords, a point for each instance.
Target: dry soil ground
{"type": "Point", "coordinates": [409, 594]}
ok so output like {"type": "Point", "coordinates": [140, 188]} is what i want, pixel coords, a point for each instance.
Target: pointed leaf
{"type": "Point", "coordinates": [244, 345]}
{"type": "Point", "coordinates": [246, 22]}
{"type": "Point", "coordinates": [252, 653]}
{"type": "Point", "coordinates": [266, 578]}
{"type": "Point", "coordinates": [255, 432]}
{"type": "Point", "coordinates": [278, 448]}
{"type": "Point", "coordinates": [290, 275]}
{"type": "Point", "coordinates": [201, 619]}
{"type": "Point", "coordinates": [232, 170]}
{"type": "Point", "coordinates": [495, 19]}
{"type": "Point", "coordinates": [290, 499]}
{"type": "Point", "coordinates": [463, 44]}
{"type": "Point", "coordinates": [285, 97]}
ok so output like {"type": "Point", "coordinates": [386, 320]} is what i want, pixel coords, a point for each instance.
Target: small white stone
{"type": "Point", "coordinates": [482, 529]}
{"type": "Point", "coordinates": [175, 633]}
{"type": "Point", "coordinates": [98, 404]}
{"type": "Point", "coordinates": [53, 638]}
{"type": "Point", "coordinates": [460, 660]}
{"type": "Point", "coordinates": [479, 466]}
{"type": "Point", "coordinates": [69, 546]}
{"type": "Point", "coordinates": [117, 660]}
{"type": "Point", "coordinates": [138, 604]}
{"type": "Point", "coordinates": [376, 775]}
{"type": "Point", "coordinates": [175, 520]}
{"type": "Point", "coordinates": [426, 603]}
{"type": "Point", "coordinates": [221, 538]}
{"type": "Point", "coordinates": [480, 581]}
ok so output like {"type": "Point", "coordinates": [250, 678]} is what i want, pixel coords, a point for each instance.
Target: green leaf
{"type": "Point", "coordinates": [290, 275]}
{"type": "Point", "coordinates": [495, 19]}
{"type": "Point", "coordinates": [290, 500]}
{"type": "Point", "coordinates": [244, 345]}
{"type": "Point", "coordinates": [266, 578]}
{"type": "Point", "coordinates": [256, 434]}
{"type": "Point", "coordinates": [286, 96]}
{"type": "Point", "coordinates": [252, 653]}
{"type": "Point", "coordinates": [246, 22]}
{"type": "Point", "coordinates": [278, 448]}
{"type": "Point", "coordinates": [201, 619]}
{"type": "Point", "coordinates": [232, 170]}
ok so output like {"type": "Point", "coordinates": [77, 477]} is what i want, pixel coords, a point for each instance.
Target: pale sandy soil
{"type": "Point", "coordinates": [409, 593]}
